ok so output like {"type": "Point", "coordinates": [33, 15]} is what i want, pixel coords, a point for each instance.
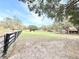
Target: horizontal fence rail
{"type": "Point", "coordinates": [8, 39]}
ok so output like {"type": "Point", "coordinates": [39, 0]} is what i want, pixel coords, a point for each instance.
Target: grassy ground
{"type": "Point", "coordinates": [44, 45]}
{"type": "Point", "coordinates": [40, 34]}
{"type": "Point", "coordinates": [35, 45]}
{"type": "Point", "coordinates": [47, 35]}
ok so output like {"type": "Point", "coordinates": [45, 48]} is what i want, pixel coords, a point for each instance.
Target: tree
{"type": "Point", "coordinates": [53, 9]}
{"type": "Point", "coordinates": [11, 23]}
{"type": "Point", "coordinates": [72, 10]}
{"type": "Point", "coordinates": [7, 22]}
{"type": "Point", "coordinates": [41, 7]}
{"type": "Point", "coordinates": [46, 28]}
{"type": "Point", "coordinates": [32, 27]}
{"type": "Point", "coordinates": [59, 27]}
{"type": "Point", "coordinates": [43, 27]}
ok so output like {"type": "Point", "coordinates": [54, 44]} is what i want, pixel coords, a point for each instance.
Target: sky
{"type": "Point", "coordinates": [10, 8]}
{"type": "Point", "coordinates": [63, 1]}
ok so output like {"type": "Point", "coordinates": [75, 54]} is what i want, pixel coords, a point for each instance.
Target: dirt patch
{"type": "Point", "coordinates": [46, 49]}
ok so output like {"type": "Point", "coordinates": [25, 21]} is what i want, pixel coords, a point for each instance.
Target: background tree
{"type": "Point", "coordinates": [32, 27]}
{"type": "Point", "coordinates": [11, 23]}
{"type": "Point", "coordinates": [59, 27]}
{"type": "Point", "coordinates": [43, 27]}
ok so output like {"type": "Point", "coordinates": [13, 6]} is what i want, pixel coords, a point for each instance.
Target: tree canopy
{"type": "Point", "coordinates": [32, 27]}
{"type": "Point", "coordinates": [53, 9]}
{"type": "Point", "coordinates": [40, 7]}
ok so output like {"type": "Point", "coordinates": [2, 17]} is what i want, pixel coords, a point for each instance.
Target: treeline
{"type": "Point", "coordinates": [12, 23]}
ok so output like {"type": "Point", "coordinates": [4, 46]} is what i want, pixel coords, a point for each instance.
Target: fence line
{"type": "Point", "coordinates": [9, 38]}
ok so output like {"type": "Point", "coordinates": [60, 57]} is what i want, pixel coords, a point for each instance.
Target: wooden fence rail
{"type": "Point", "coordinates": [8, 39]}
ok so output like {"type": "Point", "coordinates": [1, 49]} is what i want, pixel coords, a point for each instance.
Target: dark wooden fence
{"type": "Point", "coordinates": [8, 39]}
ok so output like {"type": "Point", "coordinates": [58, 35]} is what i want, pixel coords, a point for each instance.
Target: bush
{"type": "Point", "coordinates": [32, 27]}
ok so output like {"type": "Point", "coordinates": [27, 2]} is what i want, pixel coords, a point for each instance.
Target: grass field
{"type": "Point", "coordinates": [43, 35]}
{"type": "Point", "coordinates": [33, 45]}
{"type": "Point", "coordinates": [47, 35]}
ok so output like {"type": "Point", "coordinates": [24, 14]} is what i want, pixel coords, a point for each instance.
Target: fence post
{"type": "Point", "coordinates": [6, 40]}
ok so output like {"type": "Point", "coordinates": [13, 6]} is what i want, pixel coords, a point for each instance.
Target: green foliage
{"type": "Point", "coordinates": [50, 8]}
{"type": "Point", "coordinates": [46, 28]}
{"type": "Point", "coordinates": [32, 27]}
{"type": "Point", "coordinates": [73, 11]}
{"type": "Point", "coordinates": [74, 17]}
{"type": "Point", "coordinates": [53, 9]}
{"type": "Point", "coordinates": [43, 27]}
{"type": "Point", "coordinates": [62, 26]}
{"type": "Point", "coordinates": [41, 7]}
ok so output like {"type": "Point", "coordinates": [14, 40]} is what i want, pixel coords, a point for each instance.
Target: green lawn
{"type": "Point", "coordinates": [46, 35]}
{"type": "Point", "coordinates": [40, 35]}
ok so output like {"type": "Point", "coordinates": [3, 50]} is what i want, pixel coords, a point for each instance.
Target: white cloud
{"type": "Point", "coordinates": [40, 20]}
{"type": "Point", "coordinates": [1, 18]}
{"type": "Point", "coordinates": [63, 1]}
{"type": "Point", "coordinates": [31, 17]}
{"type": "Point", "coordinates": [34, 19]}
{"type": "Point", "coordinates": [28, 16]}
{"type": "Point", "coordinates": [24, 6]}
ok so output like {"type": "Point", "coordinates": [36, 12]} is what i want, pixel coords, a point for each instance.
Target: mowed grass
{"type": "Point", "coordinates": [38, 34]}
{"type": "Point", "coordinates": [46, 35]}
